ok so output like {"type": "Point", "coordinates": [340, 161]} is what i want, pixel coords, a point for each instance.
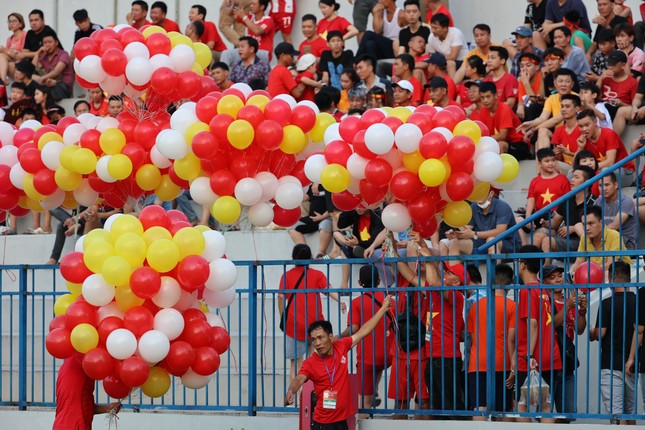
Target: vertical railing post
{"type": "Point", "coordinates": [490, 334]}
{"type": "Point", "coordinates": [22, 339]}
{"type": "Point", "coordinates": [252, 330]}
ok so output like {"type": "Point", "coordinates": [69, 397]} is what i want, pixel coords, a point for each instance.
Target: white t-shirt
{"type": "Point", "coordinates": [455, 37]}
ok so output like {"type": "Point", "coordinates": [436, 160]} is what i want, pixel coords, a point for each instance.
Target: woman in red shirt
{"type": "Point", "coordinates": [331, 21]}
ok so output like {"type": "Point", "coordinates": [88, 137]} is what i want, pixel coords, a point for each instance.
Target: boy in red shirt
{"type": "Point", "coordinates": [507, 85]}
{"type": "Point", "coordinates": [281, 81]}
{"type": "Point", "coordinates": [618, 88]}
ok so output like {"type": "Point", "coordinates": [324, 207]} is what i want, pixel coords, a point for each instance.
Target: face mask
{"type": "Point", "coordinates": [484, 205]}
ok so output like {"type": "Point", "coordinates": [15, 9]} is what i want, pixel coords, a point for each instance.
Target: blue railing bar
{"type": "Point", "coordinates": [253, 314]}
{"type": "Point", "coordinates": [22, 341]}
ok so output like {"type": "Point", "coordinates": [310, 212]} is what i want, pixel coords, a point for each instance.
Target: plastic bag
{"type": "Point", "coordinates": [535, 391]}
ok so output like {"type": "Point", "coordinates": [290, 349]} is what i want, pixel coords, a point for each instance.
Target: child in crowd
{"type": "Point", "coordinates": [475, 69]}
{"type": "Point", "coordinates": [606, 45]}
{"type": "Point", "coordinates": [586, 158]}
{"type": "Point", "coordinates": [625, 35]}
{"type": "Point", "coordinates": [19, 103]}
{"type": "Point", "coordinates": [55, 113]}
{"type": "Point", "coordinates": [376, 97]}
{"type": "Point", "coordinates": [306, 68]}
{"type": "Point", "coordinates": [590, 99]}
{"type": "Point", "coordinates": [348, 80]}
{"type": "Point", "coordinates": [618, 88]}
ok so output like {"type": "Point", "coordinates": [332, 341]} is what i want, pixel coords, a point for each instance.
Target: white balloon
{"type": "Point", "coordinates": [9, 155]}
{"type": "Point", "coordinates": [102, 169]}
{"type": "Point", "coordinates": [445, 132]}
{"type": "Point", "coordinates": [93, 122]}
{"type": "Point", "coordinates": [192, 380]}
{"type": "Point", "coordinates": [108, 222]}
{"type": "Point", "coordinates": [243, 88]}
{"type": "Point", "coordinates": [182, 57]}
{"type": "Point", "coordinates": [356, 166]}
{"type": "Point", "coordinates": [269, 184]}
{"type": "Point", "coordinates": [17, 176]}
{"type": "Point", "coordinates": [138, 71]}
{"type": "Point", "coordinates": [379, 138]}
{"type": "Point", "coordinates": [154, 346]}
{"type": "Point", "coordinates": [191, 106]}
{"type": "Point", "coordinates": [261, 214]}
{"type": "Point", "coordinates": [407, 138]}
{"type": "Point", "coordinates": [53, 200]}
{"type": "Point", "coordinates": [393, 158]}
{"type": "Point", "coordinates": [248, 191]}
{"type": "Point", "coordinates": [289, 196]}
{"type": "Point", "coordinates": [169, 293]}
{"type": "Point", "coordinates": [77, 66]}
{"type": "Point", "coordinates": [79, 245]}
{"type": "Point", "coordinates": [486, 144]}
{"type": "Point", "coordinates": [223, 275]}
{"type": "Point", "coordinates": [201, 191]}
{"type": "Point", "coordinates": [30, 123]}
{"type": "Point", "coordinates": [96, 290]}
{"type": "Point", "coordinates": [161, 60]}
{"type": "Point", "coordinates": [332, 133]}
{"type": "Point", "coordinates": [287, 98]}
{"type": "Point", "coordinates": [120, 27]}
{"type": "Point", "coordinates": [172, 145]}
{"type": "Point", "coordinates": [113, 85]}
{"type": "Point", "coordinates": [215, 245]}
{"type": "Point", "coordinates": [109, 310]}
{"type": "Point", "coordinates": [91, 70]}
{"type": "Point", "coordinates": [354, 186]}
{"type": "Point", "coordinates": [170, 322]}
{"type": "Point", "coordinates": [183, 118]}
{"type": "Point", "coordinates": [134, 50]}
{"type": "Point", "coordinates": [121, 344]}
{"type": "Point", "coordinates": [396, 217]}
{"type": "Point", "coordinates": [106, 123]}
{"type": "Point", "coordinates": [85, 118]}
{"type": "Point", "coordinates": [289, 179]}
{"type": "Point", "coordinates": [488, 167]}
{"type": "Point", "coordinates": [50, 154]}
{"type": "Point", "coordinates": [219, 299]}
{"type": "Point", "coordinates": [85, 194]}
{"type": "Point", "coordinates": [185, 301]}
{"type": "Point", "coordinates": [6, 133]}
{"type": "Point", "coordinates": [214, 320]}
{"type": "Point", "coordinates": [158, 159]}
{"type": "Point", "coordinates": [72, 133]}
{"type": "Point", "coordinates": [314, 166]}
{"type": "Point", "coordinates": [309, 104]}
{"type": "Point", "coordinates": [411, 108]}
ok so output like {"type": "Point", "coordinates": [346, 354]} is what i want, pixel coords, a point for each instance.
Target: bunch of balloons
{"type": "Point", "coordinates": [123, 59]}
{"type": "Point", "coordinates": [138, 303]}
{"type": "Point", "coordinates": [424, 161]}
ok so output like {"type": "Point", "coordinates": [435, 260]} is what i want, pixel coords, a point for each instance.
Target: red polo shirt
{"type": "Point", "coordinates": [74, 396]}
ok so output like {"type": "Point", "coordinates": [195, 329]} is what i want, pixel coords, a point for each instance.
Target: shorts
{"type": "Point", "coordinates": [445, 377]}
{"type": "Point", "coordinates": [617, 390]}
{"type": "Point", "coordinates": [369, 374]}
{"type": "Point", "coordinates": [612, 109]}
{"type": "Point", "coordinates": [567, 244]}
{"type": "Point", "coordinates": [283, 21]}
{"type": "Point", "coordinates": [306, 225]}
{"type": "Point", "coordinates": [507, 248]}
{"type": "Point", "coordinates": [294, 349]}
{"type": "Point", "coordinates": [477, 384]}
{"type": "Point", "coordinates": [338, 425]}
{"type": "Point", "coordinates": [406, 382]}
{"type": "Point", "coordinates": [361, 12]}
{"type": "Point", "coordinates": [519, 150]}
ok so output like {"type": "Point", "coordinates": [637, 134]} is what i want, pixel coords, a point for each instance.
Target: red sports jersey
{"type": "Point", "coordinates": [74, 396]}
{"type": "Point", "coordinates": [306, 308]}
{"type": "Point", "coordinates": [265, 40]}
{"type": "Point", "coordinates": [170, 25]}
{"type": "Point", "coordinates": [309, 92]}
{"type": "Point", "coordinates": [280, 81]}
{"type": "Point", "coordinates": [623, 91]}
{"type": "Point", "coordinates": [212, 35]}
{"type": "Point", "coordinates": [547, 190]}
{"type": "Point", "coordinates": [102, 110]}
{"type": "Point", "coordinates": [503, 118]}
{"type": "Point", "coordinates": [507, 87]}
{"type": "Point", "coordinates": [339, 23]}
{"type": "Point", "coordinates": [374, 348]}
{"type": "Point", "coordinates": [315, 47]}
{"type": "Point", "coordinates": [444, 325]}
{"type": "Point", "coordinates": [608, 140]}
{"type": "Point", "coordinates": [568, 140]}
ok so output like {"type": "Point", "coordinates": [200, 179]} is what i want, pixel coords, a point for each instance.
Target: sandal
{"type": "Point", "coordinates": [30, 231]}
{"type": "Point", "coordinates": [7, 231]}
{"type": "Point", "coordinates": [39, 230]}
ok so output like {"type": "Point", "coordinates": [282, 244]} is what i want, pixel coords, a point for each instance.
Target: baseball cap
{"type": "Point", "coordinates": [617, 57]}
{"type": "Point", "coordinates": [437, 59]}
{"type": "Point", "coordinates": [26, 67]}
{"type": "Point", "coordinates": [471, 83]}
{"type": "Point", "coordinates": [523, 31]}
{"type": "Point", "coordinates": [458, 270]}
{"type": "Point", "coordinates": [437, 82]}
{"type": "Point", "coordinates": [368, 276]}
{"type": "Point", "coordinates": [285, 48]}
{"type": "Point", "coordinates": [305, 61]}
{"type": "Point", "coordinates": [549, 269]}
{"type": "Point", "coordinates": [405, 84]}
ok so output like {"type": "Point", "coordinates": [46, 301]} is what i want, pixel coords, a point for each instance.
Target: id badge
{"type": "Point", "coordinates": [428, 326]}
{"type": "Point", "coordinates": [329, 399]}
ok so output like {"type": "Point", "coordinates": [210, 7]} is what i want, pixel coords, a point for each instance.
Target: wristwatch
{"type": "Point", "coordinates": [475, 236]}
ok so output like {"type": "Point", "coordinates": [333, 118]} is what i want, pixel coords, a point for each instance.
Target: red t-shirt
{"type": "Point", "coordinates": [146, 22]}
{"type": "Point", "coordinates": [442, 9]}
{"type": "Point", "coordinates": [418, 307]}
{"type": "Point", "coordinates": [417, 94]}
{"type": "Point", "coordinates": [570, 319]}
{"type": "Point", "coordinates": [477, 324]}
{"type": "Point", "coordinates": [170, 25]}
{"type": "Point", "coordinates": [265, 40]}
{"type": "Point", "coordinates": [547, 190]}
{"type": "Point", "coordinates": [568, 140]}
{"type": "Point", "coordinates": [374, 347]}
{"type": "Point", "coordinates": [503, 118]}
{"type": "Point", "coordinates": [608, 140]}
{"type": "Point", "coordinates": [331, 373]}
{"type": "Point", "coordinates": [325, 26]}
{"type": "Point", "coordinates": [306, 307]}
{"type": "Point", "coordinates": [444, 325]}
{"type": "Point", "coordinates": [74, 396]}
{"type": "Point", "coordinates": [462, 93]}
{"type": "Point", "coordinates": [212, 35]}
{"type": "Point", "coordinates": [280, 81]}
{"type": "Point", "coordinates": [452, 91]}
{"type": "Point", "coordinates": [102, 109]}
{"type": "Point", "coordinates": [507, 86]}
{"type": "Point", "coordinates": [536, 304]}
{"type": "Point", "coordinates": [316, 46]}
{"type": "Point", "coordinates": [623, 91]}
{"type": "Point", "coordinates": [309, 92]}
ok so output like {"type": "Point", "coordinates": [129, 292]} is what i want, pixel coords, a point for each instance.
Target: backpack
{"type": "Point", "coordinates": [412, 332]}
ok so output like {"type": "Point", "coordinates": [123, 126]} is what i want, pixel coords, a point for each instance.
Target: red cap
{"type": "Point", "coordinates": [458, 270]}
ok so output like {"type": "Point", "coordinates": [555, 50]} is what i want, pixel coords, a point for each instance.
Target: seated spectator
{"type": "Point", "coordinates": [553, 60]}
{"type": "Point", "coordinates": [138, 14]}
{"type": "Point", "coordinates": [81, 107]}
{"type": "Point", "coordinates": [565, 137]}
{"type": "Point", "coordinates": [534, 19]}
{"type": "Point", "coordinates": [437, 68]}
{"type": "Point", "coordinates": [618, 90]}
{"type": "Point", "coordinates": [590, 99]}
{"type": "Point", "coordinates": [15, 44]}
{"type": "Point", "coordinates": [42, 102]}
{"type": "Point", "coordinates": [219, 73]}
{"type": "Point", "coordinates": [638, 104]}
{"type": "Point", "coordinates": [505, 82]}
{"type": "Point", "coordinates": [327, 100]}
{"type": "Point", "coordinates": [382, 43]}
{"type": "Point", "coordinates": [313, 43]}
{"type": "Point", "coordinates": [530, 91]}
{"type": "Point", "coordinates": [403, 68]}
{"type": "Point", "coordinates": [523, 45]}
{"type": "Point", "coordinates": [502, 122]}
{"type": "Point", "coordinates": [579, 37]}
{"type": "Point", "coordinates": [474, 98]}
{"type": "Point", "coordinates": [56, 68]}
{"type": "Point", "coordinates": [586, 158]}
{"type": "Point", "coordinates": [335, 60]}
{"type": "Point", "coordinates": [475, 70]}
{"type": "Point", "coordinates": [84, 26]}
{"type": "Point", "coordinates": [417, 49]}
{"type": "Point", "coordinates": [250, 66]}
{"type": "Point", "coordinates": [447, 40]}
{"type": "Point", "coordinates": [158, 12]}
{"type": "Point", "coordinates": [414, 26]}
{"type": "Point", "coordinates": [606, 18]}
{"type": "Point", "coordinates": [115, 106]}
{"type": "Point", "coordinates": [365, 67]}
{"type": "Point", "coordinates": [482, 35]}
{"type": "Point", "coordinates": [55, 113]}
{"type": "Point", "coordinates": [18, 103]}
{"type": "Point", "coordinates": [606, 45]}
{"type": "Point", "coordinates": [332, 21]}
{"type": "Point", "coordinates": [360, 234]}
{"type": "Point", "coordinates": [211, 36]}
{"type": "Point", "coordinates": [34, 37]}
{"type": "Point", "coordinates": [376, 98]}
{"type": "Point", "coordinates": [403, 91]}
{"type": "Point", "coordinates": [281, 81]}
{"type": "Point", "coordinates": [438, 89]}
{"type": "Point", "coordinates": [70, 224]}
{"type": "Point", "coordinates": [306, 69]}
{"type": "Point", "coordinates": [625, 42]}
{"type": "Point", "coordinates": [194, 31]}
{"type": "Point", "coordinates": [228, 25]}
{"type": "Point", "coordinates": [98, 102]}
{"type": "Point", "coordinates": [619, 212]}
{"type": "Point", "coordinates": [357, 97]}
{"type": "Point", "coordinates": [554, 16]}
{"type": "Point", "coordinates": [348, 80]}
{"type": "Point", "coordinates": [317, 220]}
{"type": "Point", "coordinates": [574, 57]}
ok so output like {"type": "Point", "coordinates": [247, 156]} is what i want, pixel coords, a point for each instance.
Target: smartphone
{"type": "Point", "coordinates": [347, 233]}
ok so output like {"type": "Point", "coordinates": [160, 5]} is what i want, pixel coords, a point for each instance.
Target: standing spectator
{"type": "Point", "coordinates": [332, 21]}
{"type": "Point", "coordinates": [84, 26]}
{"type": "Point", "coordinates": [447, 40]}
{"type": "Point", "coordinates": [98, 102]}
{"type": "Point", "coordinates": [138, 14]}
{"type": "Point", "coordinates": [15, 44]}
{"type": "Point", "coordinates": [228, 25]}
{"type": "Point", "coordinates": [415, 26]}
{"type": "Point", "coordinates": [281, 81]}
{"type": "Point", "coordinates": [313, 43]}
{"type": "Point", "coordinates": [382, 43]}
{"type": "Point", "coordinates": [565, 137]}
{"type": "Point", "coordinates": [261, 27]}
{"type": "Point", "coordinates": [438, 88]}
{"type": "Point", "coordinates": [34, 38]}
{"type": "Point", "coordinates": [158, 12]}
{"type": "Point", "coordinates": [505, 82]}
{"type": "Point", "coordinates": [574, 57]}
{"type": "Point", "coordinates": [219, 73]}
{"type": "Point", "coordinates": [250, 66]}
{"type": "Point", "coordinates": [335, 60]}
{"type": "Point", "coordinates": [210, 36]}
{"type": "Point", "coordinates": [282, 12]}
{"type": "Point", "coordinates": [554, 16]}
{"type": "Point", "coordinates": [530, 92]}
{"type": "Point", "coordinates": [534, 18]}
{"type": "Point", "coordinates": [606, 45]}
{"type": "Point", "coordinates": [618, 88]}
{"type": "Point", "coordinates": [523, 45]}
{"type": "Point", "coordinates": [56, 67]}
{"type": "Point", "coordinates": [634, 365]}
{"type": "Point", "coordinates": [615, 329]}
{"type": "Point", "coordinates": [619, 212]}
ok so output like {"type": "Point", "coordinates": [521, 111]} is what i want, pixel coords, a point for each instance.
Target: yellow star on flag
{"type": "Point", "coordinates": [547, 197]}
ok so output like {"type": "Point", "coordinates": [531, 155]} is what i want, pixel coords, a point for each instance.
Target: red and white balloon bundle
{"type": "Point", "coordinates": [138, 303]}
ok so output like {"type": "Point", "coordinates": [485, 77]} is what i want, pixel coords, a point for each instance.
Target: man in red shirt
{"type": "Point", "coordinates": [158, 12]}
{"type": "Point", "coordinates": [507, 85]}
{"type": "Point", "coordinates": [281, 81]}
{"type": "Point", "coordinates": [403, 69]}
{"type": "Point", "coordinates": [502, 123]}
{"type": "Point", "coordinates": [435, 7]}
{"type": "Point", "coordinates": [313, 43]}
{"type": "Point", "coordinates": [261, 27]}
{"type": "Point", "coordinates": [211, 36]}
{"type": "Point", "coordinates": [438, 88]}
{"type": "Point", "coordinates": [437, 65]}
{"type": "Point", "coordinates": [327, 369]}
{"type": "Point", "coordinates": [138, 14]}
{"type": "Point", "coordinates": [618, 90]}
{"type": "Point", "coordinates": [565, 137]}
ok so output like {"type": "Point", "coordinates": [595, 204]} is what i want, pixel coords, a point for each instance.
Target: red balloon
{"type": "Point", "coordinates": [42, 130]}
{"type": "Point", "coordinates": [193, 314]}
{"type": "Point", "coordinates": [281, 164]}
{"type": "Point", "coordinates": [44, 182]}
{"type": "Point", "coordinates": [303, 117]}
{"type": "Point", "coordinates": [107, 326]}
{"type": "Point", "coordinates": [371, 192]}
{"type": "Point", "coordinates": [361, 148]}
{"type": "Point", "coordinates": [483, 127]}
{"type": "Point", "coordinates": [393, 122]}
{"type": "Point", "coordinates": [23, 135]}
{"type": "Point", "coordinates": [192, 272]}
{"type": "Point", "coordinates": [127, 126]}
{"type": "Point", "coordinates": [154, 215]}
{"type": "Point", "coordinates": [427, 227]}
{"type": "Point", "coordinates": [145, 133]}
{"type": "Point", "coordinates": [57, 322]}
{"type": "Point", "coordinates": [103, 35]}
{"type": "Point", "coordinates": [73, 268]}
{"type": "Point", "coordinates": [24, 147]}
{"type": "Point", "coordinates": [433, 145]}
{"type": "Point", "coordinates": [405, 185]}
{"type": "Point", "coordinates": [176, 216]}
{"type": "Point", "coordinates": [349, 127]}
{"type": "Point", "coordinates": [90, 140]}
{"type": "Point", "coordinates": [98, 184]}
{"type": "Point", "coordinates": [221, 340]}
{"type": "Point", "coordinates": [115, 388]}
{"type": "Point", "coordinates": [204, 145]}
{"type": "Point", "coordinates": [459, 186]}
{"type": "Point", "coordinates": [370, 117]}
{"type": "Point", "coordinates": [223, 183]}
{"type": "Point", "coordinates": [285, 217]}
{"type": "Point", "coordinates": [460, 149]}
{"type": "Point", "coordinates": [188, 84]}
{"type": "Point", "coordinates": [63, 123]}
{"type": "Point", "coordinates": [378, 172]}
{"type": "Point", "coordinates": [180, 357]}
{"type": "Point", "coordinates": [252, 114]}
{"type": "Point", "coordinates": [421, 207]}
{"type": "Point", "coordinates": [219, 126]}
{"type": "Point", "coordinates": [107, 45]}
{"type": "Point", "coordinates": [234, 92]}
{"type": "Point", "coordinates": [206, 108]}
{"type": "Point", "coordinates": [589, 273]}
{"type": "Point", "coordinates": [128, 36]}
{"type": "Point", "coordinates": [163, 80]}
{"type": "Point", "coordinates": [84, 47]}
{"type": "Point", "coordinates": [206, 361]}
{"type": "Point", "coordinates": [279, 111]}
{"type": "Point", "coordinates": [85, 84]}
{"type": "Point", "coordinates": [345, 201]}
{"type": "Point", "coordinates": [58, 343]}
{"type": "Point", "coordinates": [444, 118]}
{"type": "Point", "coordinates": [158, 43]}
{"type": "Point", "coordinates": [133, 371]}
{"type": "Point", "coordinates": [80, 312]}
{"type": "Point", "coordinates": [138, 320]}
{"type": "Point", "coordinates": [197, 333]}
{"type": "Point", "coordinates": [98, 364]}
{"type": "Point", "coordinates": [136, 154]}
{"type": "Point", "coordinates": [467, 166]}
{"type": "Point", "coordinates": [269, 135]}
{"type": "Point", "coordinates": [30, 161]}
{"type": "Point", "coordinates": [114, 61]}
{"type": "Point", "coordinates": [208, 86]}
{"type": "Point", "coordinates": [337, 152]}
{"type": "Point", "coordinates": [244, 166]}
{"type": "Point", "coordinates": [145, 282]}
{"type": "Point", "coordinates": [457, 111]}
{"type": "Point", "coordinates": [426, 109]}
{"type": "Point", "coordinates": [264, 93]}
{"type": "Point", "coordinates": [298, 171]}
{"type": "Point", "coordinates": [421, 120]}
{"type": "Point", "coordinates": [18, 211]}
{"type": "Point", "coordinates": [5, 182]}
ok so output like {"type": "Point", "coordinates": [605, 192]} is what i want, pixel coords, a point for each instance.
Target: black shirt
{"type": "Point", "coordinates": [81, 34]}
{"type": "Point", "coordinates": [535, 15]}
{"type": "Point", "coordinates": [406, 34]}
{"type": "Point", "coordinates": [335, 66]}
{"type": "Point", "coordinates": [572, 212]}
{"type": "Point", "coordinates": [34, 41]}
{"type": "Point", "coordinates": [618, 314]}
{"type": "Point", "coordinates": [614, 22]}
{"type": "Point", "coordinates": [352, 218]}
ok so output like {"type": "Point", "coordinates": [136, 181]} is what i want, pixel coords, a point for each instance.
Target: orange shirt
{"type": "Point", "coordinates": [477, 326]}
{"type": "Point", "coordinates": [521, 91]}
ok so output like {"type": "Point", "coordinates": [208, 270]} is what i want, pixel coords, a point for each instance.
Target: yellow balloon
{"type": "Point", "coordinates": [293, 140]}
{"type": "Point", "coordinates": [173, 34]}
{"type": "Point", "coordinates": [240, 133]}
{"type": "Point", "coordinates": [66, 156]}
{"type": "Point", "coordinates": [468, 128]}
{"type": "Point", "coordinates": [188, 168]}
{"type": "Point", "coordinates": [180, 39]}
{"type": "Point", "coordinates": [163, 255]}
{"type": "Point", "coordinates": [189, 241]}
{"type": "Point", "coordinates": [511, 169]}
{"type": "Point", "coordinates": [112, 141]}
{"type": "Point", "coordinates": [202, 228]}
{"type": "Point", "coordinates": [193, 129]}
{"type": "Point", "coordinates": [84, 338]}
{"type": "Point", "coordinates": [50, 136]}
{"type": "Point", "coordinates": [119, 166]}
{"type": "Point", "coordinates": [62, 303]}
{"type": "Point", "coordinates": [480, 191]}
{"type": "Point", "coordinates": [167, 189]}
{"type": "Point", "coordinates": [125, 224]}
{"type": "Point", "coordinates": [335, 178]}
{"type": "Point", "coordinates": [412, 161]}
{"type": "Point", "coordinates": [432, 172]}
{"type": "Point", "coordinates": [226, 209]}
{"type": "Point", "coordinates": [126, 299]}
{"type": "Point", "coordinates": [95, 255]}
{"type": "Point", "coordinates": [34, 205]}
{"type": "Point", "coordinates": [97, 235]}
{"type": "Point", "coordinates": [84, 161]}
{"type": "Point", "coordinates": [74, 289]}
{"type": "Point", "coordinates": [401, 113]}
{"type": "Point", "coordinates": [70, 201]}
{"type": "Point", "coordinates": [323, 120]}
{"type": "Point", "coordinates": [132, 247]}
{"type": "Point", "coordinates": [28, 187]}
{"type": "Point", "coordinates": [148, 177]}
{"type": "Point", "coordinates": [258, 100]}
{"type": "Point", "coordinates": [229, 105]}
{"type": "Point", "coordinates": [387, 109]}
{"type": "Point", "coordinates": [203, 54]}
{"type": "Point", "coordinates": [152, 30]}
{"type": "Point", "coordinates": [116, 270]}
{"type": "Point", "coordinates": [66, 179]}
{"type": "Point", "coordinates": [157, 384]}
{"type": "Point", "coordinates": [155, 233]}
{"type": "Point", "coordinates": [197, 68]}
{"type": "Point", "coordinates": [457, 214]}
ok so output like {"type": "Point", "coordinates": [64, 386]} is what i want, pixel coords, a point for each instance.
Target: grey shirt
{"type": "Point", "coordinates": [622, 204]}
